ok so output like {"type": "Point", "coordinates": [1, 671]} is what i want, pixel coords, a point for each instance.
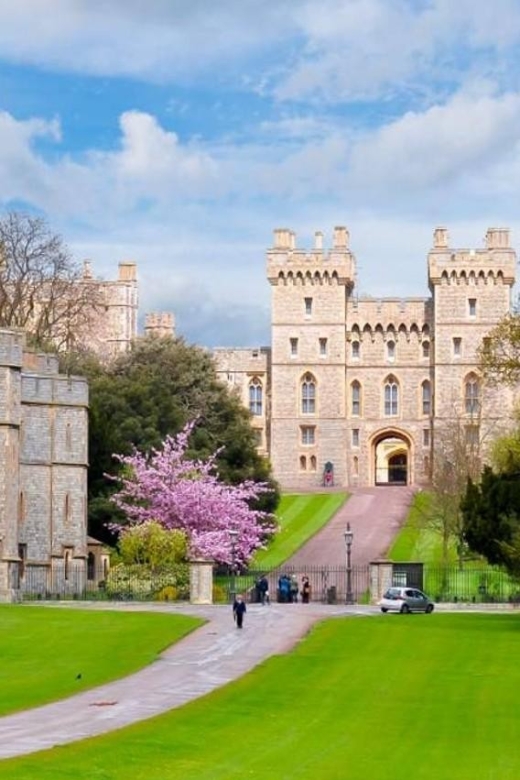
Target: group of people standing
{"type": "Point", "coordinates": [289, 590]}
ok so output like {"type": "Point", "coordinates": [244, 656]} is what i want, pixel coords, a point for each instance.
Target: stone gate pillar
{"type": "Point", "coordinates": [201, 582]}
{"type": "Point", "coordinates": [380, 579]}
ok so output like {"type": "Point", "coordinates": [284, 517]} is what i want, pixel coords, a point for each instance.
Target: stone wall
{"type": "Point", "coordinates": [43, 463]}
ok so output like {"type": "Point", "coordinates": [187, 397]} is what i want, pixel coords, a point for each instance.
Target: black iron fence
{"type": "Point", "coordinates": [328, 584]}
{"type": "Point", "coordinates": [119, 583]}
{"type": "Point", "coordinates": [478, 585]}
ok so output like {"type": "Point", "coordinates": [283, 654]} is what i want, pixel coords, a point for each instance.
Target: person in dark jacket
{"type": "Point", "coordinates": [263, 589]}
{"type": "Point", "coordinates": [306, 590]}
{"type": "Point", "coordinates": [239, 610]}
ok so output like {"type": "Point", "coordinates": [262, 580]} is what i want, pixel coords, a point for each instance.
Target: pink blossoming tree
{"type": "Point", "coordinates": [169, 488]}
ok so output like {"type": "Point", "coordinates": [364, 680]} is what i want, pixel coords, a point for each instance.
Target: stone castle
{"type": "Point", "coordinates": [353, 391]}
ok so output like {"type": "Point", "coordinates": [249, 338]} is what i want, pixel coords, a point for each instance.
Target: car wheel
{"type": "Point", "coordinates": [429, 608]}
{"type": "Point", "coordinates": [384, 609]}
{"type": "Point", "coordinates": [405, 609]}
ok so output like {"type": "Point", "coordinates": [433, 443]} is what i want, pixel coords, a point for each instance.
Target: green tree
{"type": "Point", "coordinates": [491, 518]}
{"type": "Point", "coordinates": [151, 392]}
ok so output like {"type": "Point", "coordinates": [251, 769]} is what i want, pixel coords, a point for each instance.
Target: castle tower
{"type": "Point", "coordinates": [121, 299]}
{"type": "Point", "coordinates": [159, 324]}
{"type": "Point", "coordinates": [471, 291]}
{"type": "Point", "coordinates": [309, 295]}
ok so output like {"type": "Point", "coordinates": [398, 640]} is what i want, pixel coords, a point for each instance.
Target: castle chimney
{"type": "Point", "coordinates": [440, 238]}
{"type": "Point", "coordinates": [282, 238]}
{"type": "Point", "coordinates": [127, 272]}
{"type": "Point", "coordinates": [497, 238]}
{"type": "Point", "coordinates": [318, 241]}
{"type": "Point", "coordinates": [340, 238]}
{"type": "Point", "coordinates": [292, 240]}
{"type": "Point", "coordinates": [87, 269]}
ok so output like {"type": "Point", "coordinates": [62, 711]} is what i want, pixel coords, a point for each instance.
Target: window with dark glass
{"type": "Point", "coordinates": [472, 395]}
{"type": "Point", "coordinates": [308, 396]}
{"type": "Point", "coordinates": [356, 399]}
{"type": "Point", "coordinates": [391, 398]}
{"type": "Point", "coordinates": [255, 397]}
{"type": "Point", "coordinates": [426, 397]}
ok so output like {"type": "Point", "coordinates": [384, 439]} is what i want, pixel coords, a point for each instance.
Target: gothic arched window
{"type": "Point", "coordinates": [391, 397]}
{"type": "Point", "coordinates": [472, 394]}
{"type": "Point", "coordinates": [308, 394]}
{"type": "Point", "coordinates": [255, 396]}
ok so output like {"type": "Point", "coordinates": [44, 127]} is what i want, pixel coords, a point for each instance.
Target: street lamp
{"type": "Point", "coordinates": [233, 535]}
{"type": "Point", "coordinates": [349, 538]}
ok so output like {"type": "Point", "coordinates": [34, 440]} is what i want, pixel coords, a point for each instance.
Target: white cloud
{"type": "Point", "coordinates": [463, 138]}
{"type": "Point", "coordinates": [334, 50]}
{"type": "Point", "coordinates": [158, 41]}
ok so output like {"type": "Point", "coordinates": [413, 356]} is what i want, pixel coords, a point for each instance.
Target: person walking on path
{"type": "Point", "coordinates": [239, 610]}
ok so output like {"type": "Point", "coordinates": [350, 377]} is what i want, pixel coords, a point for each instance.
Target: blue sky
{"type": "Point", "coordinates": [180, 134]}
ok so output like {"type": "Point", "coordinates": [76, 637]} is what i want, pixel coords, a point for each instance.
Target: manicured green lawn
{"type": "Point", "coordinates": [42, 650]}
{"type": "Point", "coordinates": [415, 542]}
{"type": "Point", "coordinates": [300, 516]}
{"type": "Point", "coordinates": [411, 697]}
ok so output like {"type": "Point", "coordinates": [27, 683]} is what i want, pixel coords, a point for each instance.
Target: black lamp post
{"type": "Point", "coordinates": [233, 535]}
{"type": "Point", "coordinates": [349, 538]}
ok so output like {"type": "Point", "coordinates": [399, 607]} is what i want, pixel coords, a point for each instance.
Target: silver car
{"type": "Point", "coordinates": [405, 600]}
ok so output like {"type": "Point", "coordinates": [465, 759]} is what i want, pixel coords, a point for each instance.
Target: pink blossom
{"type": "Point", "coordinates": [177, 492]}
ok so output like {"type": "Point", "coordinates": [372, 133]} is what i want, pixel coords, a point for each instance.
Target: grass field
{"type": "Point", "coordinates": [376, 698]}
{"type": "Point", "coordinates": [43, 650]}
{"type": "Point", "coordinates": [300, 516]}
{"type": "Point", "coordinates": [414, 542]}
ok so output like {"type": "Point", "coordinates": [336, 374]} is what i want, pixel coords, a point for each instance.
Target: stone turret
{"type": "Point", "coordinates": [159, 324]}
{"type": "Point", "coordinates": [496, 260]}
{"type": "Point", "coordinates": [288, 264]}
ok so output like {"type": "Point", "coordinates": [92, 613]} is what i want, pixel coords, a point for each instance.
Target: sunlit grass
{"type": "Point", "coordinates": [49, 653]}
{"type": "Point", "coordinates": [300, 516]}
{"type": "Point", "coordinates": [422, 697]}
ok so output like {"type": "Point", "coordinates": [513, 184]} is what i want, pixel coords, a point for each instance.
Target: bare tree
{"type": "Point", "coordinates": [42, 289]}
{"type": "Point", "coordinates": [457, 457]}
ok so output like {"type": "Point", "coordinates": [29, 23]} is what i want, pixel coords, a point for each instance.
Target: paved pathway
{"type": "Point", "coordinates": [375, 515]}
{"type": "Point", "coordinates": [206, 659]}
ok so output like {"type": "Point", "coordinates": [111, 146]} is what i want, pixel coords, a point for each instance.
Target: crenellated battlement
{"type": "Point", "coordinates": [159, 324]}
{"type": "Point", "coordinates": [286, 264]}
{"type": "Point", "coordinates": [495, 263]}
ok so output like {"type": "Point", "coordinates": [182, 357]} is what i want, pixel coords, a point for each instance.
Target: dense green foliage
{"type": "Point", "coordinates": [153, 391]}
{"type": "Point", "coordinates": [152, 545]}
{"type": "Point", "coordinates": [299, 516]}
{"type": "Point", "coordinates": [491, 512]}
{"type": "Point", "coordinates": [43, 650]}
{"type": "Point", "coordinates": [423, 697]}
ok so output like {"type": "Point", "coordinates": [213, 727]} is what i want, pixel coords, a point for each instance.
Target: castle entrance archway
{"type": "Point", "coordinates": [391, 451]}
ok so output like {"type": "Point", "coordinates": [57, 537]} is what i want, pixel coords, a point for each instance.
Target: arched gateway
{"type": "Point", "coordinates": [392, 458]}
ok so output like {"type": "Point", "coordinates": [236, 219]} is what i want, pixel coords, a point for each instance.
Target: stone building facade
{"type": "Point", "coordinates": [356, 390]}
{"type": "Point", "coordinates": [43, 473]}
